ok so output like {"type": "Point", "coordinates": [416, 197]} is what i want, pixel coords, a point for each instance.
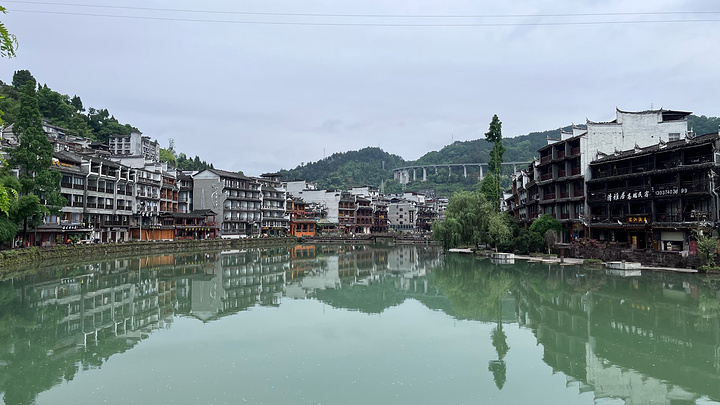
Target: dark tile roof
{"type": "Point", "coordinates": [662, 146]}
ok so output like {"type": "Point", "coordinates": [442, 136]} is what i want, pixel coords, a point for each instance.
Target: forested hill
{"type": "Point", "coordinates": [369, 166]}
{"type": "Point", "coordinates": [69, 113]}
{"type": "Point", "coordinates": [518, 149]}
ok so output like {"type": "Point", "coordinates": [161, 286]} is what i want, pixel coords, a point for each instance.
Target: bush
{"type": "Point", "coordinates": [592, 262]}
{"type": "Point", "coordinates": [709, 269]}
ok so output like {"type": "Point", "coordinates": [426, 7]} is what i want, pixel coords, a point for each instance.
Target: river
{"type": "Point", "coordinates": [324, 324]}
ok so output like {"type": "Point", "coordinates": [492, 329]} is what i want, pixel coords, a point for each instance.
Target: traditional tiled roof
{"type": "Point", "coordinates": [635, 152]}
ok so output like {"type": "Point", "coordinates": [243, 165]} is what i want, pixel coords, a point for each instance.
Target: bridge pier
{"type": "Point", "coordinates": [424, 174]}
{"type": "Point", "coordinates": [465, 171]}
{"type": "Point", "coordinates": [414, 174]}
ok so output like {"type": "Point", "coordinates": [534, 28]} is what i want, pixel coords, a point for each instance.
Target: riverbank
{"type": "Point", "coordinates": [582, 262]}
{"type": "Point", "coordinates": [11, 259]}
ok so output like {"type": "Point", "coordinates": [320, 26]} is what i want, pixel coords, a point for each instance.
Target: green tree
{"type": "Point", "coordinates": [167, 156]}
{"type": "Point", "coordinates": [466, 222]}
{"type": "Point", "coordinates": [545, 223]}
{"type": "Point", "coordinates": [499, 233]}
{"type": "Point", "coordinates": [21, 77]}
{"type": "Point", "coordinates": [8, 41]}
{"type": "Point", "coordinates": [494, 135]}
{"type": "Point", "coordinates": [706, 246]}
{"type": "Point", "coordinates": [33, 158]}
{"type": "Point", "coordinates": [547, 227]}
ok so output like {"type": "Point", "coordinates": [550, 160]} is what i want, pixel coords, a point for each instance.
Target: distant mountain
{"type": "Point", "coordinates": [373, 166]}
{"type": "Point", "coordinates": [518, 149]}
{"type": "Point", "coordinates": [369, 166]}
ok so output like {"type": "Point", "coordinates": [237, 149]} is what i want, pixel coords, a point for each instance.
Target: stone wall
{"type": "Point", "coordinates": [647, 257]}
{"type": "Point", "coordinates": [12, 259]}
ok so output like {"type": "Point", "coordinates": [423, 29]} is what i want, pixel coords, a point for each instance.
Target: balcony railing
{"type": "Point", "coordinates": [561, 173]}
{"type": "Point", "coordinates": [579, 193]}
{"type": "Point", "coordinates": [565, 215]}
{"type": "Point", "coordinates": [564, 195]}
{"type": "Point", "coordinates": [575, 151]}
{"type": "Point", "coordinates": [575, 171]}
{"type": "Point", "coordinates": [561, 154]}
{"type": "Point", "coordinates": [549, 196]}
{"type": "Point", "coordinates": [545, 159]}
{"type": "Point", "coordinates": [544, 177]}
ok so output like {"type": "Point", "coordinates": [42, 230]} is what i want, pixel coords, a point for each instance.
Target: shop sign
{"type": "Point", "coordinates": [637, 220]}
{"type": "Point", "coordinates": [628, 196]}
{"type": "Point", "coordinates": [671, 191]}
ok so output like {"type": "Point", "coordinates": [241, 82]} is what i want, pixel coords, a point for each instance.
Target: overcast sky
{"type": "Point", "coordinates": [261, 97]}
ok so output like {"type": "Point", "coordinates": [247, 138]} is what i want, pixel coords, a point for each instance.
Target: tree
{"type": "Point", "coordinates": [466, 220]}
{"type": "Point", "coordinates": [21, 77]}
{"type": "Point", "coordinates": [8, 42]}
{"type": "Point", "coordinates": [548, 227]}
{"type": "Point", "coordinates": [33, 158]}
{"type": "Point", "coordinates": [494, 135]}
{"type": "Point", "coordinates": [76, 102]}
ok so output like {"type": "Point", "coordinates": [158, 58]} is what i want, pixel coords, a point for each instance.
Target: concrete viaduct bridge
{"type": "Point", "coordinates": [402, 174]}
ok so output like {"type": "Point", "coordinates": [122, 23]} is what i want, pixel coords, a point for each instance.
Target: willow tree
{"type": "Point", "coordinates": [494, 135]}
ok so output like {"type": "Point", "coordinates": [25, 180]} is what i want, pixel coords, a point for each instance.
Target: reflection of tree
{"type": "Point", "coordinates": [498, 367]}
{"type": "Point", "coordinates": [476, 289]}
{"type": "Point", "coordinates": [499, 370]}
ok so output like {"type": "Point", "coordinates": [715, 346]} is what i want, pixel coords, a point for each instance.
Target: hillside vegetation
{"type": "Point", "coordinates": [369, 166]}
{"type": "Point", "coordinates": [69, 113]}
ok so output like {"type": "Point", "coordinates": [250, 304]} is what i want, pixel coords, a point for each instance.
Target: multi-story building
{"type": "Point", "coordinates": [657, 196]}
{"type": "Point", "coordinates": [275, 222]}
{"type": "Point", "coordinates": [346, 213]}
{"type": "Point", "coordinates": [234, 196]}
{"type": "Point", "coordinates": [134, 146]}
{"type": "Point", "coordinates": [401, 216]}
{"type": "Point", "coordinates": [302, 222]}
{"type": "Point", "coordinates": [563, 167]}
{"type": "Point", "coordinates": [185, 190]}
{"type": "Point", "coordinates": [426, 214]}
{"type": "Point", "coordinates": [560, 184]}
{"type": "Point", "coordinates": [380, 215]}
{"type": "Point", "coordinates": [363, 215]}
{"type": "Point", "coordinates": [100, 200]}
{"type": "Point", "coordinates": [147, 205]}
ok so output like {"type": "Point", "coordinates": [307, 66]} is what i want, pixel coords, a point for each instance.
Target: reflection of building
{"type": "Point", "coordinates": [628, 337]}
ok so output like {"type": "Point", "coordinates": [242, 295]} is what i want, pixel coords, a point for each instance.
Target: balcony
{"type": "Point", "coordinates": [545, 159]}
{"type": "Point", "coordinates": [564, 194]}
{"type": "Point", "coordinates": [575, 151]}
{"type": "Point", "coordinates": [560, 154]}
{"type": "Point", "coordinates": [565, 215]}
{"type": "Point", "coordinates": [579, 193]}
{"type": "Point", "coordinates": [561, 173]}
{"type": "Point", "coordinates": [549, 196]}
{"type": "Point", "coordinates": [547, 176]}
{"type": "Point", "coordinates": [575, 171]}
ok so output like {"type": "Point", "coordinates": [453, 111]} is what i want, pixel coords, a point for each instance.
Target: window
{"type": "Point", "coordinates": [674, 136]}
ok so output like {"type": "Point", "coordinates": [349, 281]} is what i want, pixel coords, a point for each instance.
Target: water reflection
{"type": "Point", "coordinates": [648, 339]}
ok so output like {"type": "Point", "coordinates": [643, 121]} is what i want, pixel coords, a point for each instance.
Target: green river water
{"type": "Point", "coordinates": [355, 325]}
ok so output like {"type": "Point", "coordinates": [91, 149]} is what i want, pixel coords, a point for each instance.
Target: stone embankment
{"type": "Point", "coordinates": [11, 259]}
